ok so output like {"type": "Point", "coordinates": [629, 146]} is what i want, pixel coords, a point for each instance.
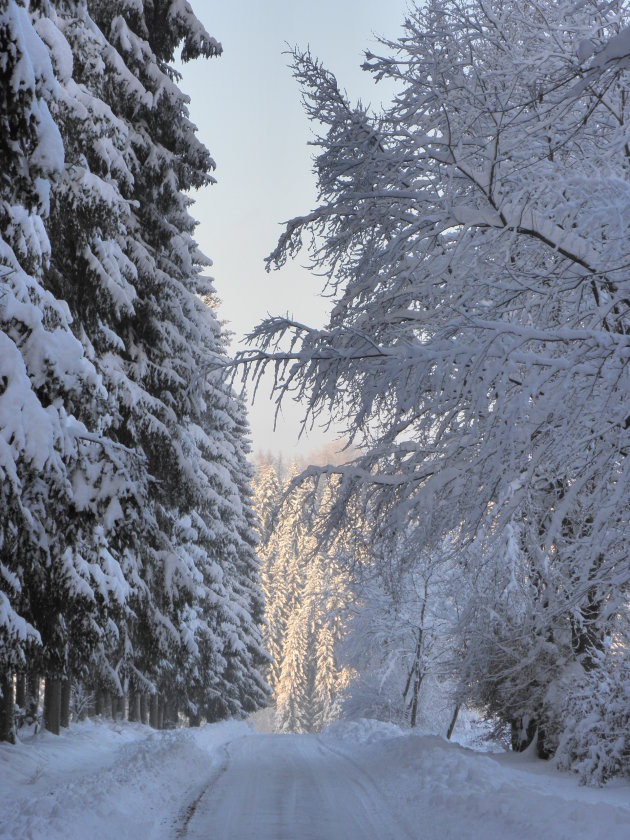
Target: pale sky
{"type": "Point", "coordinates": [248, 111]}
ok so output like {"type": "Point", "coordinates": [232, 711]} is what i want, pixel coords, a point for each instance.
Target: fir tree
{"type": "Point", "coordinates": [293, 695]}
{"type": "Point", "coordinates": [181, 424]}
{"type": "Point", "coordinates": [49, 456]}
{"type": "Point", "coordinates": [128, 489]}
{"type": "Point", "coordinates": [268, 492]}
{"type": "Point", "coordinates": [306, 599]}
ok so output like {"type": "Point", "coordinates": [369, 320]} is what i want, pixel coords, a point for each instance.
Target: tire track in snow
{"type": "Point", "coordinates": [283, 787]}
{"type": "Point", "coordinates": [185, 816]}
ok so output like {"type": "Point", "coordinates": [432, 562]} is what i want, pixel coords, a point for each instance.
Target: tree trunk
{"type": "Point", "coordinates": [194, 719]}
{"type": "Point", "coordinates": [451, 726]}
{"type": "Point", "coordinates": [7, 708]}
{"type": "Point", "coordinates": [171, 713]}
{"type": "Point", "coordinates": [144, 709]}
{"type": "Point", "coordinates": [20, 690]}
{"type": "Point", "coordinates": [414, 702]}
{"type": "Point", "coordinates": [52, 704]}
{"type": "Point", "coordinates": [542, 747]}
{"type": "Point", "coordinates": [32, 696]}
{"type": "Point", "coordinates": [98, 701]}
{"type": "Point", "coordinates": [134, 705]}
{"type": "Point", "coordinates": [64, 711]}
{"type": "Point", "coordinates": [106, 703]}
{"type": "Point", "coordinates": [160, 712]}
{"type": "Point", "coordinates": [84, 701]}
{"type": "Point", "coordinates": [154, 717]}
{"type": "Point", "coordinates": [415, 675]}
{"type": "Point", "coordinates": [523, 731]}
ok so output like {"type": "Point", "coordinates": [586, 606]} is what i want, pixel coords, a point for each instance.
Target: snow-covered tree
{"type": "Point", "coordinates": [306, 596]}
{"type": "Point", "coordinates": [474, 239]}
{"type": "Point", "coordinates": [90, 271]}
{"type": "Point", "coordinates": [278, 554]}
{"type": "Point", "coordinates": [268, 492]}
{"type": "Point", "coordinates": [154, 328]}
{"type": "Point", "coordinates": [244, 689]}
{"type": "Point", "coordinates": [267, 500]}
{"type": "Point", "coordinates": [52, 462]}
{"type": "Point", "coordinates": [401, 635]}
{"type": "Point", "coordinates": [293, 693]}
{"type": "Point", "coordinates": [32, 438]}
{"type": "Point", "coordinates": [329, 594]}
{"type": "Point", "coordinates": [128, 488]}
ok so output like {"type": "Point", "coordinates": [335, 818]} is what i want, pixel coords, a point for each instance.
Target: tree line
{"type": "Point", "coordinates": [127, 534]}
{"type": "Point", "coordinates": [306, 593]}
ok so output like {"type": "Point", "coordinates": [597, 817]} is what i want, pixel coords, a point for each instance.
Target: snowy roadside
{"type": "Point", "coordinates": [448, 792]}
{"type": "Point", "coordinates": [104, 780]}
{"type": "Point", "coordinates": [107, 781]}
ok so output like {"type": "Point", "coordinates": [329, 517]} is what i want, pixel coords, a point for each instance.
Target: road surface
{"type": "Point", "coordinates": [291, 787]}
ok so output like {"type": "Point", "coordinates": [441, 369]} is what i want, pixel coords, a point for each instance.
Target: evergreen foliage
{"type": "Point", "coordinates": [306, 599]}
{"type": "Point", "coordinates": [127, 534]}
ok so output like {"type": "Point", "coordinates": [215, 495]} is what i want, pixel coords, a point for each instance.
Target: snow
{"type": "Point", "coordinates": [617, 47]}
{"type": "Point", "coordinates": [26, 427]}
{"type": "Point", "coordinates": [104, 780]}
{"type": "Point", "coordinates": [296, 786]}
{"type": "Point", "coordinates": [363, 731]}
{"type": "Point", "coordinates": [13, 625]}
{"type": "Point", "coordinates": [447, 791]}
{"type": "Point", "coordinates": [361, 779]}
{"type": "Point", "coordinates": [59, 48]}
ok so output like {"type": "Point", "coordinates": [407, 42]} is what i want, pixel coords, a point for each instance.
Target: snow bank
{"type": "Point", "coordinates": [447, 791]}
{"type": "Point", "coordinates": [123, 781]}
{"type": "Point", "coordinates": [103, 780]}
{"type": "Point", "coordinates": [363, 730]}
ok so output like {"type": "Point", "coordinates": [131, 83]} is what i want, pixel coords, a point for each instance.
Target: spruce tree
{"type": "Point", "coordinates": [293, 712]}
{"type": "Point", "coordinates": [267, 494]}
{"type": "Point", "coordinates": [128, 488]}
{"type": "Point", "coordinates": [306, 598]}
{"type": "Point", "coordinates": [253, 688]}
{"type": "Point", "coordinates": [49, 386]}
{"type": "Point", "coordinates": [187, 607]}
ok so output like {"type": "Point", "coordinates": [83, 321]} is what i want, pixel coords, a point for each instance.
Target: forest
{"type": "Point", "coordinates": [128, 565]}
{"type": "Point", "coordinates": [467, 551]}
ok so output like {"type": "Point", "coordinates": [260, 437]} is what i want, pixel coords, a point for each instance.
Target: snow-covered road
{"type": "Point", "coordinates": [361, 779]}
{"type": "Point", "coordinates": [283, 787]}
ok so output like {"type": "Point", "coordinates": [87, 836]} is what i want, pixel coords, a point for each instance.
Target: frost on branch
{"type": "Point", "coordinates": [473, 236]}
